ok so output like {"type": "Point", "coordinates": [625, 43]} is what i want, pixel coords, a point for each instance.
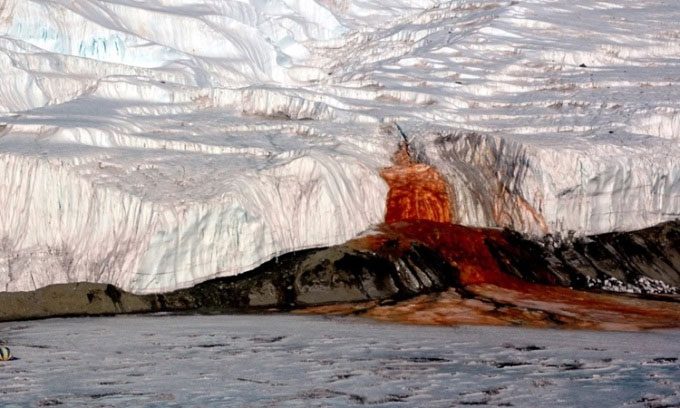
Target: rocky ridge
{"type": "Point", "coordinates": [386, 269]}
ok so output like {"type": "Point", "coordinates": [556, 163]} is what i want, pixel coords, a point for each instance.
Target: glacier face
{"type": "Point", "coordinates": [157, 144]}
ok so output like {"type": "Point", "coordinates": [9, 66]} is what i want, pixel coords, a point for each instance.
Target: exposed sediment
{"type": "Point", "coordinates": [505, 279]}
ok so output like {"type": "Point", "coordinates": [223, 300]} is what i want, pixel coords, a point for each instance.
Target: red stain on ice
{"type": "Point", "coordinates": [417, 191]}
{"type": "Point", "coordinates": [419, 209]}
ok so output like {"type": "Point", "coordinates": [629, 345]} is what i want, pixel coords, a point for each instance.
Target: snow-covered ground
{"type": "Point", "coordinates": [156, 144]}
{"type": "Point", "coordinates": [257, 361]}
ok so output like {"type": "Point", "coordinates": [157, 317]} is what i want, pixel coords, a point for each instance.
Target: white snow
{"type": "Point", "coordinates": [643, 284]}
{"type": "Point", "coordinates": [256, 361]}
{"type": "Point", "coordinates": [157, 144]}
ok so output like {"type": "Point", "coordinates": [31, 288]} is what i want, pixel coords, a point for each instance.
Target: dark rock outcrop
{"type": "Point", "coordinates": [298, 279]}
{"type": "Point", "coordinates": [321, 276]}
{"type": "Point", "coordinates": [646, 261]}
{"type": "Point", "coordinates": [73, 299]}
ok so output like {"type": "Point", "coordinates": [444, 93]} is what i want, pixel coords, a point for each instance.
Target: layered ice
{"type": "Point", "coordinates": [157, 144]}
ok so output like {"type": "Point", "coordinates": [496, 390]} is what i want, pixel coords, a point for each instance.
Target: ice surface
{"type": "Point", "coordinates": [255, 361]}
{"type": "Point", "coordinates": [157, 144]}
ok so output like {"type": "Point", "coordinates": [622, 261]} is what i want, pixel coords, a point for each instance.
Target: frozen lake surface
{"type": "Point", "coordinates": [300, 361]}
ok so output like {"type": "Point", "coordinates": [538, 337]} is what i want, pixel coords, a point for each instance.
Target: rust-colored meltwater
{"type": "Point", "coordinates": [419, 211]}
{"type": "Point", "coordinates": [417, 191]}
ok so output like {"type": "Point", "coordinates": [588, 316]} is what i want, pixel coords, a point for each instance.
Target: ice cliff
{"type": "Point", "coordinates": [156, 144]}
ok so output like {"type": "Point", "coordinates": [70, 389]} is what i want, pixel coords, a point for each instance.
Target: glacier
{"type": "Point", "coordinates": [153, 145]}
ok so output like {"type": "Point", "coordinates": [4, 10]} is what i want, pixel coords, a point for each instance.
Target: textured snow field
{"type": "Point", "coordinates": [157, 144]}
{"type": "Point", "coordinates": [258, 361]}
